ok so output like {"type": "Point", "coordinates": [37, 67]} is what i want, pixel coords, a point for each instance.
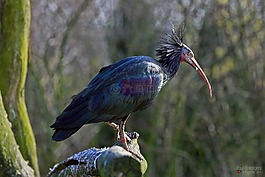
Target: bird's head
{"type": "Point", "coordinates": [172, 52]}
{"type": "Point", "coordinates": [188, 56]}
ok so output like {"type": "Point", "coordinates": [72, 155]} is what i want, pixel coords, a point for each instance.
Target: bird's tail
{"type": "Point", "coordinates": [62, 134]}
{"type": "Point", "coordinates": [70, 121]}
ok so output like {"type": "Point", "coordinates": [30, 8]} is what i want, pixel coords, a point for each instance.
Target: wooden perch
{"type": "Point", "coordinates": [104, 162]}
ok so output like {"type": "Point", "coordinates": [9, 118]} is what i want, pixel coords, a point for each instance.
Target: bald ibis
{"type": "Point", "coordinates": [124, 87]}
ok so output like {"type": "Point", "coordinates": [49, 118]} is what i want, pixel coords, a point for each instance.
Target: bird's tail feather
{"type": "Point", "coordinates": [67, 126]}
{"type": "Point", "coordinates": [62, 134]}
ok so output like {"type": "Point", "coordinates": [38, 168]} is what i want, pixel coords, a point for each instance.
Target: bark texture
{"type": "Point", "coordinates": [11, 161]}
{"type": "Point", "coordinates": [14, 37]}
{"type": "Point", "coordinates": [105, 162]}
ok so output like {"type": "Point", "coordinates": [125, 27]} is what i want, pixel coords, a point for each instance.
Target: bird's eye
{"type": "Point", "coordinates": [189, 56]}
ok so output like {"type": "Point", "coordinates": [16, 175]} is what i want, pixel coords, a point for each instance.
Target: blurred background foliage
{"type": "Point", "coordinates": [185, 132]}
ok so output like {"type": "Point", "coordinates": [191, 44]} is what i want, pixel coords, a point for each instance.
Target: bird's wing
{"type": "Point", "coordinates": [121, 88]}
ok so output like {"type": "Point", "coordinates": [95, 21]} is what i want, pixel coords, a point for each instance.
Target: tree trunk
{"type": "Point", "coordinates": [11, 160]}
{"type": "Point", "coordinates": [14, 37]}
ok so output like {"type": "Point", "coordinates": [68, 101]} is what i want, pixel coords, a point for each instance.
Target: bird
{"type": "Point", "coordinates": [126, 86]}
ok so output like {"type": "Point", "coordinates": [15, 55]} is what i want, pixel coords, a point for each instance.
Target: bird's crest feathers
{"type": "Point", "coordinates": [171, 45]}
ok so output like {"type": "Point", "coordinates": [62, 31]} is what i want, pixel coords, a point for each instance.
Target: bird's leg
{"type": "Point", "coordinates": [125, 137]}
{"type": "Point", "coordinates": [122, 132]}
{"type": "Point", "coordinates": [116, 128]}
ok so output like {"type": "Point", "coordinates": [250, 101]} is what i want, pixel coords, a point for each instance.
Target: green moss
{"type": "Point", "coordinates": [15, 27]}
{"type": "Point", "coordinates": [12, 162]}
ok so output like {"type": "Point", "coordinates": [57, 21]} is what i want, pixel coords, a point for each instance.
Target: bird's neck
{"type": "Point", "coordinates": [170, 65]}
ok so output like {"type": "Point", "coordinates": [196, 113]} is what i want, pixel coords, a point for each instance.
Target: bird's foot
{"type": "Point", "coordinates": [113, 125]}
{"type": "Point", "coordinates": [116, 128]}
{"type": "Point", "coordinates": [126, 137]}
{"type": "Point", "coordinates": [136, 155]}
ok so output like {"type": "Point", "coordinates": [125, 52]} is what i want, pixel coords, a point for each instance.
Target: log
{"type": "Point", "coordinates": [104, 162]}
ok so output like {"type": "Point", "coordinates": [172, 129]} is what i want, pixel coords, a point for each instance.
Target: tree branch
{"type": "Point", "coordinates": [113, 161]}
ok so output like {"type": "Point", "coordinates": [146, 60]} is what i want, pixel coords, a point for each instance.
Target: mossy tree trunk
{"type": "Point", "coordinates": [11, 161]}
{"type": "Point", "coordinates": [14, 42]}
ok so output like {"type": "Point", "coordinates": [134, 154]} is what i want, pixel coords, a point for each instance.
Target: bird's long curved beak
{"type": "Point", "coordinates": [197, 67]}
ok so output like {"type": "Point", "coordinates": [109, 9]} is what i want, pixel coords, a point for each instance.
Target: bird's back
{"type": "Point", "coordinates": [119, 89]}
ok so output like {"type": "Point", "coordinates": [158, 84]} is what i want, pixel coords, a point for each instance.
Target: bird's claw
{"type": "Point", "coordinates": [126, 147]}
{"type": "Point", "coordinates": [136, 155]}
{"type": "Point", "coordinates": [125, 137]}
{"type": "Point", "coordinates": [128, 138]}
